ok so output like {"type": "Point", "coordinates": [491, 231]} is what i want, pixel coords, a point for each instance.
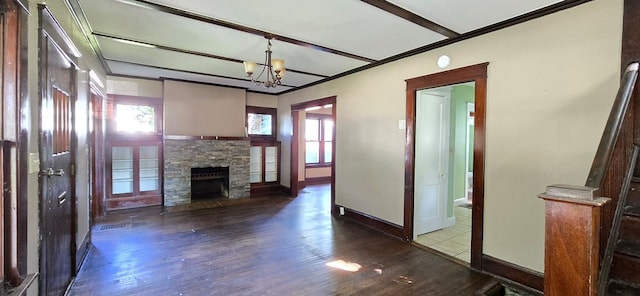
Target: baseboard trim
{"type": "Point", "coordinates": [83, 251]}
{"type": "Point", "coordinates": [372, 222]}
{"type": "Point", "coordinates": [526, 277]}
{"type": "Point", "coordinates": [317, 180]}
{"type": "Point", "coordinates": [285, 189]}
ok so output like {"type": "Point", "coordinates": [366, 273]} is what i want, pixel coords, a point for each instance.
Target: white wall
{"type": "Point", "coordinates": [262, 100]}
{"type": "Point", "coordinates": [134, 87]}
{"type": "Point", "coordinates": [551, 83]}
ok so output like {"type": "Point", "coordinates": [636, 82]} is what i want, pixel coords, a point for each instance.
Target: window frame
{"type": "Point", "coordinates": [321, 140]}
{"type": "Point", "coordinates": [263, 111]}
{"type": "Point", "coordinates": [114, 100]}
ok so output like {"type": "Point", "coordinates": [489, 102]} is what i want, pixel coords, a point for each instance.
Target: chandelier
{"type": "Point", "coordinates": [273, 69]}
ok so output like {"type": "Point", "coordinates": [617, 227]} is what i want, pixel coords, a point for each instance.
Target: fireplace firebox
{"type": "Point", "coordinates": [209, 183]}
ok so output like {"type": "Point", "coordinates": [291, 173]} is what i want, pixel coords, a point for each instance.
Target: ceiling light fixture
{"type": "Point", "coordinates": [274, 68]}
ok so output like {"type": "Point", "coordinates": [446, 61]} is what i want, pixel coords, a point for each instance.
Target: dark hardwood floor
{"type": "Point", "coordinates": [272, 246]}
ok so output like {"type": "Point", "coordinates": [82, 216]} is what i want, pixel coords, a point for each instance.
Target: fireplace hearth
{"type": "Point", "coordinates": [209, 183]}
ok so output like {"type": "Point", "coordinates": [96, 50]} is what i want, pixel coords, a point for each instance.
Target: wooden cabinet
{"type": "Point", "coordinates": [264, 167]}
{"type": "Point", "coordinates": [134, 174]}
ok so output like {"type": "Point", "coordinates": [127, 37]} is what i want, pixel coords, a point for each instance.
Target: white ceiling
{"type": "Point", "coordinates": [207, 40]}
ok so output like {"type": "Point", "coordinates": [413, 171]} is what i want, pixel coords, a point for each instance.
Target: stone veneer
{"type": "Point", "coordinates": [182, 155]}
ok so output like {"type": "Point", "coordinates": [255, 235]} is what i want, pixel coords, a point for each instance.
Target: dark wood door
{"type": "Point", "coordinates": [58, 237]}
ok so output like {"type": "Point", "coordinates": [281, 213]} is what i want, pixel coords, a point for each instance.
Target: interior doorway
{"type": "Point", "coordinates": [442, 173]}
{"type": "Point", "coordinates": [320, 115]}
{"type": "Point", "coordinates": [444, 169]}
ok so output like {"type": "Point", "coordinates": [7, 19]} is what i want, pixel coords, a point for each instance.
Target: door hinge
{"type": "Point", "coordinates": [73, 170]}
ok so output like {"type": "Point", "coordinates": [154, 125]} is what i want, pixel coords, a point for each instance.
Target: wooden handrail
{"type": "Point", "coordinates": [612, 129]}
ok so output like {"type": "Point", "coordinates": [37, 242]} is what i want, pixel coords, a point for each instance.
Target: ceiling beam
{"type": "Point", "coordinates": [186, 51]}
{"type": "Point", "coordinates": [234, 26]}
{"type": "Point", "coordinates": [185, 71]}
{"type": "Point", "coordinates": [412, 17]}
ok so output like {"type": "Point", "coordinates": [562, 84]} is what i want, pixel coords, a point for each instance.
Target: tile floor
{"type": "Point", "coordinates": [454, 241]}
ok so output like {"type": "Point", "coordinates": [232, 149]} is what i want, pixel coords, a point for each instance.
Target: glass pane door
{"type": "Point", "coordinates": [122, 170]}
{"type": "Point", "coordinates": [149, 168]}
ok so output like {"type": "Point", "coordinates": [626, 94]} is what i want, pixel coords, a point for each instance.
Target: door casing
{"type": "Point", "coordinates": [475, 73]}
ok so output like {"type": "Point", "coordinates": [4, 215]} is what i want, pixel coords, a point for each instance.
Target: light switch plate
{"type": "Point", "coordinates": [34, 163]}
{"type": "Point", "coordinates": [402, 124]}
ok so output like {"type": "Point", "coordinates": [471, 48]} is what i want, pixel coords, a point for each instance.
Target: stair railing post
{"type": "Point", "coordinates": [572, 239]}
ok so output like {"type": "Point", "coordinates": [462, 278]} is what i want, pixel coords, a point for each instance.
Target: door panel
{"type": "Point", "coordinates": [431, 162]}
{"type": "Point", "coordinates": [58, 238]}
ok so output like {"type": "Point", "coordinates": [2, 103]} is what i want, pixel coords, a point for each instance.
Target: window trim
{"type": "Point", "coordinates": [114, 100]}
{"type": "Point", "coordinates": [274, 123]}
{"type": "Point", "coordinates": [321, 162]}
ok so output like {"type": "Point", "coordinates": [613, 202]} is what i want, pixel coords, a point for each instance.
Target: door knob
{"type": "Point", "coordinates": [50, 172]}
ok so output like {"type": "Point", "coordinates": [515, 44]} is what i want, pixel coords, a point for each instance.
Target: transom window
{"type": "Point", "coordinates": [135, 118]}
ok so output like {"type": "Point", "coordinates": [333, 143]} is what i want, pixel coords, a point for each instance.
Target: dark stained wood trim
{"type": "Point", "coordinates": [371, 221]}
{"type": "Point", "coordinates": [630, 33]}
{"type": "Point", "coordinates": [15, 134]}
{"type": "Point", "coordinates": [218, 138]}
{"type": "Point", "coordinates": [128, 202]}
{"type": "Point", "coordinates": [479, 32]}
{"type": "Point", "coordinates": [512, 272]}
{"type": "Point", "coordinates": [478, 74]}
{"type": "Point", "coordinates": [192, 52]}
{"type": "Point", "coordinates": [186, 71]}
{"type": "Point", "coordinates": [254, 31]}
{"type": "Point", "coordinates": [294, 183]}
{"type": "Point", "coordinates": [314, 103]}
{"type": "Point", "coordinates": [317, 180]}
{"type": "Point", "coordinates": [412, 17]}
{"type": "Point", "coordinates": [274, 123]}
{"type": "Point", "coordinates": [265, 189]}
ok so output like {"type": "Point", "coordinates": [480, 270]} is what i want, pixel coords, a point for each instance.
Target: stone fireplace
{"type": "Point", "coordinates": [183, 155]}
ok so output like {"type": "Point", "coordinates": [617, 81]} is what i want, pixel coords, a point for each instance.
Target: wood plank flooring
{"type": "Point", "coordinates": [273, 246]}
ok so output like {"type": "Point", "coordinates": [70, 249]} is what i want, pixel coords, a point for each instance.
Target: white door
{"type": "Point", "coordinates": [431, 161]}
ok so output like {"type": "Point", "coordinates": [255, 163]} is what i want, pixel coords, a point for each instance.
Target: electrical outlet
{"type": "Point", "coordinates": [341, 211]}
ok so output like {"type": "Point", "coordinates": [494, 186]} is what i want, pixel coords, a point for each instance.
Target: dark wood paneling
{"type": "Point", "coordinates": [518, 274]}
{"type": "Point", "coordinates": [625, 268]}
{"type": "Point", "coordinates": [371, 221]}
{"type": "Point", "coordinates": [477, 74]}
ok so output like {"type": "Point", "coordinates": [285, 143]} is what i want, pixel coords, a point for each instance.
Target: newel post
{"type": "Point", "coordinates": [572, 239]}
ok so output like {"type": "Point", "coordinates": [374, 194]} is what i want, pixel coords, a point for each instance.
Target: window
{"type": "Point", "coordinates": [261, 123]}
{"type": "Point", "coordinates": [133, 152]}
{"type": "Point", "coordinates": [129, 116]}
{"type": "Point", "coordinates": [135, 118]}
{"type": "Point", "coordinates": [318, 137]}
